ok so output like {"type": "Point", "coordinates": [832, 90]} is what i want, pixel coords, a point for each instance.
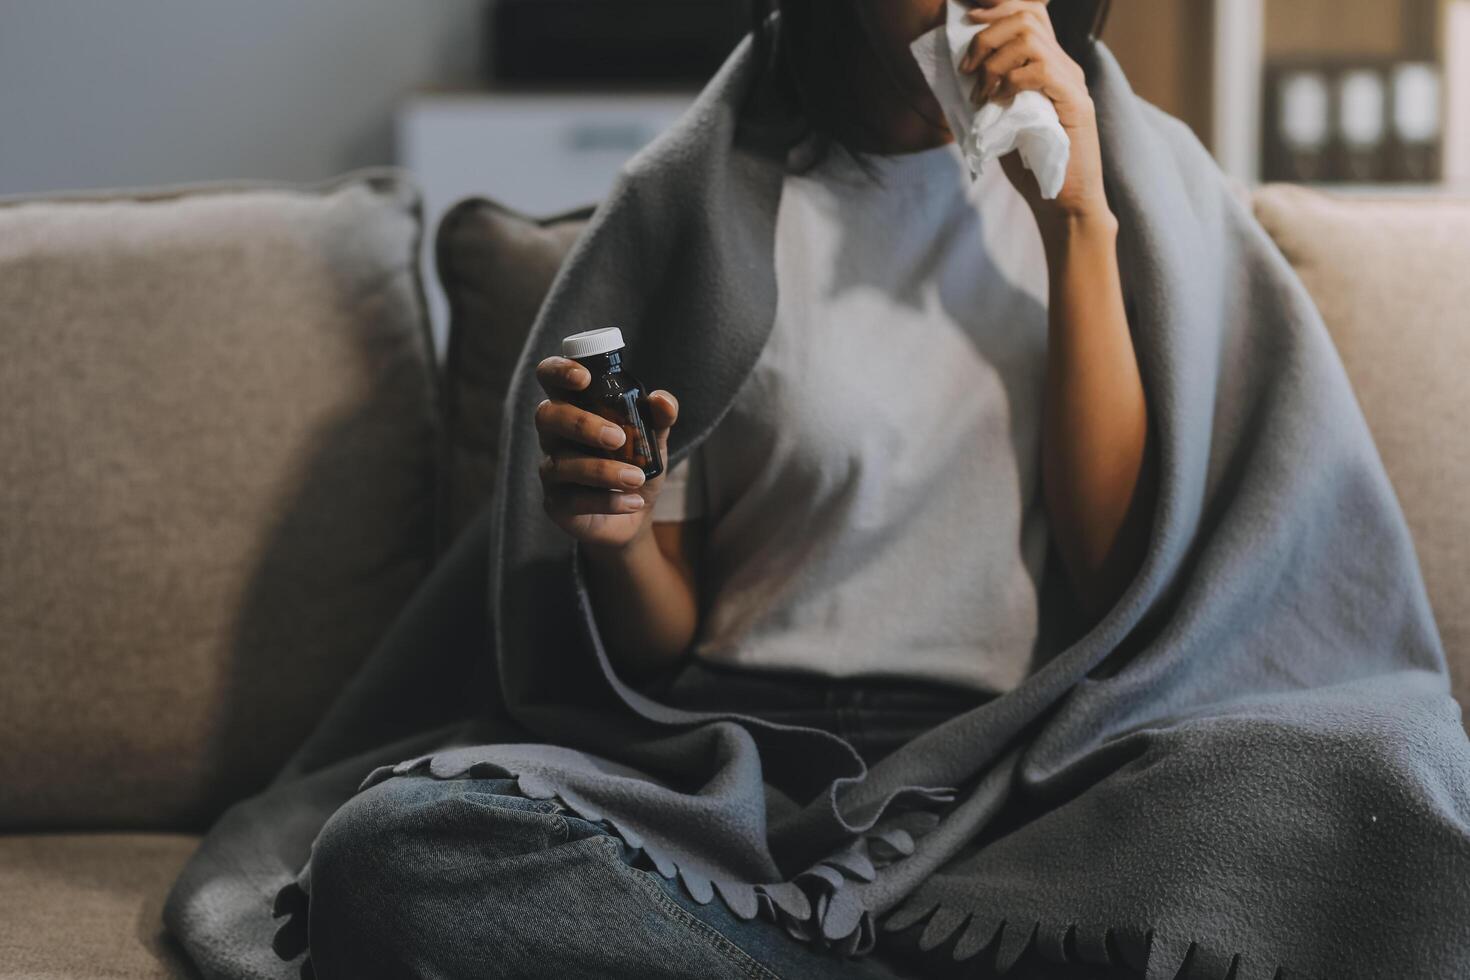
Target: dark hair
{"type": "Point", "coordinates": [808, 52]}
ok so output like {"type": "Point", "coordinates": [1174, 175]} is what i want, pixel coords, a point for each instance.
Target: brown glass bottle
{"type": "Point", "coordinates": [616, 395]}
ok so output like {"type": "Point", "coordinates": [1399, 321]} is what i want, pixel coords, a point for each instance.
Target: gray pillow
{"type": "Point", "coordinates": [217, 487]}
{"type": "Point", "coordinates": [496, 266]}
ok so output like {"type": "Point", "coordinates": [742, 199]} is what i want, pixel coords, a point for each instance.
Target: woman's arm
{"type": "Point", "coordinates": [1096, 455]}
{"type": "Point", "coordinates": [1096, 467]}
{"type": "Point", "coordinates": [640, 572]}
{"type": "Point", "coordinates": [645, 594]}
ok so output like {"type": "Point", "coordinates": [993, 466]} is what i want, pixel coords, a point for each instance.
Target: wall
{"type": "Point", "coordinates": [1164, 47]}
{"type": "Point", "coordinates": [1351, 27]}
{"type": "Point", "coordinates": [96, 93]}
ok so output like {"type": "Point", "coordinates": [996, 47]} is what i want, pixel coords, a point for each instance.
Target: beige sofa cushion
{"type": "Point", "coordinates": [89, 905]}
{"type": "Point", "coordinates": [1392, 279]}
{"type": "Point", "coordinates": [496, 266]}
{"type": "Point", "coordinates": [216, 484]}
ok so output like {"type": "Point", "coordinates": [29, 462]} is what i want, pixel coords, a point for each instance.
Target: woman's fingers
{"type": "Point", "coordinates": [984, 44]}
{"type": "Point", "coordinates": [558, 375]}
{"type": "Point", "coordinates": [559, 422]}
{"type": "Point", "coordinates": [1014, 18]}
{"type": "Point", "coordinates": [663, 412]}
{"type": "Point", "coordinates": [1025, 58]}
{"type": "Point", "coordinates": [571, 468]}
{"type": "Point", "coordinates": [663, 408]}
{"type": "Point", "coordinates": [995, 9]}
{"type": "Point", "coordinates": [1022, 24]}
{"type": "Point", "coordinates": [569, 502]}
{"type": "Point", "coordinates": [1035, 76]}
{"type": "Point", "coordinates": [1018, 50]}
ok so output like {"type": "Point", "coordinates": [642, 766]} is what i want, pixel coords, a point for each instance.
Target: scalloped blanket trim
{"type": "Point", "coordinates": [815, 900]}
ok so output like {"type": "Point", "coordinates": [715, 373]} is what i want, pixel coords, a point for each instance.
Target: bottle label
{"type": "Point", "coordinates": [638, 444]}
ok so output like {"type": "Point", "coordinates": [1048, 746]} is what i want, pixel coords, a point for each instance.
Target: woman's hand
{"type": "Point", "coordinates": [601, 502]}
{"type": "Point", "coordinates": [1019, 52]}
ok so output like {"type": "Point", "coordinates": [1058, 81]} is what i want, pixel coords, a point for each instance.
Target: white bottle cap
{"type": "Point", "coordinates": [590, 342]}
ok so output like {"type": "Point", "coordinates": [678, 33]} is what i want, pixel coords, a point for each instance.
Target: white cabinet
{"type": "Point", "coordinates": [536, 152]}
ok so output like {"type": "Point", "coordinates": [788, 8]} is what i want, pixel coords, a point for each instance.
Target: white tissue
{"type": "Point", "coordinates": [1028, 123]}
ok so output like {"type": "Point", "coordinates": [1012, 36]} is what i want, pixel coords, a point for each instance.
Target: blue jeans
{"type": "Point", "coordinates": [467, 878]}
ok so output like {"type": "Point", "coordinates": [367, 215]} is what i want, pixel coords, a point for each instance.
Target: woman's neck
{"type": "Point", "coordinates": [899, 122]}
{"type": "Point", "coordinates": [909, 134]}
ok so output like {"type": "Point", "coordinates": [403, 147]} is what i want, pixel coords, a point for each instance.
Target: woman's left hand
{"type": "Point", "coordinates": [1019, 52]}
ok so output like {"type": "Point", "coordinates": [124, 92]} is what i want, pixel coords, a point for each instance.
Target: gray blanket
{"type": "Point", "coordinates": [1251, 763]}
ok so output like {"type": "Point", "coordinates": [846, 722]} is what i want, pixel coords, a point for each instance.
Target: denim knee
{"type": "Point", "coordinates": [402, 826]}
{"type": "Point", "coordinates": [390, 861]}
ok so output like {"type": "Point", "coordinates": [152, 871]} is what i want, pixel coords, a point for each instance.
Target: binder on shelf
{"type": "Point", "coordinates": [1416, 113]}
{"type": "Point", "coordinates": [1298, 126]}
{"type": "Point", "coordinates": [1362, 123]}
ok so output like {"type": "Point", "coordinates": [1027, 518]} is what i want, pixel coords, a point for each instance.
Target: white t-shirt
{"type": "Point", "coordinates": [871, 498]}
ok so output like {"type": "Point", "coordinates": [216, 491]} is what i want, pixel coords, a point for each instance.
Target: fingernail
{"type": "Point", "coordinates": [612, 437]}
{"type": "Point", "coordinates": [634, 501]}
{"type": "Point", "coordinates": [631, 476]}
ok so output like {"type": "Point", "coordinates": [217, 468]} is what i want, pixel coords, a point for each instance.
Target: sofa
{"type": "Point", "coordinates": [230, 454]}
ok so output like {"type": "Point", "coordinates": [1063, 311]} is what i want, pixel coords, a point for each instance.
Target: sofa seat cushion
{"type": "Point", "coordinates": [217, 478]}
{"type": "Point", "coordinates": [89, 905]}
{"type": "Point", "coordinates": [1391, 277]}
{"type": "Point", "coordinates": [496, 266]}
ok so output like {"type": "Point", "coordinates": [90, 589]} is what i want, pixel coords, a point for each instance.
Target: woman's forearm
{"type": "Point", "coordinates": [1096, 466]}
{"type": "Point", "coordinates": [645, 604]}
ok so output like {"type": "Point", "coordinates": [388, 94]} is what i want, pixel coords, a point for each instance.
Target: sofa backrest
{"type": "Point", "coordinates": [1389, 276]}
{"type": "Point", "coordinates": [218, 477]}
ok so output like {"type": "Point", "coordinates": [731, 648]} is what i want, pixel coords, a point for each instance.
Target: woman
{"type": "Point", "coordinates": [1020, 413]}
{"type": "Point", "coordinates": [1023, 374]}
{"type": "Point", "coordinates": [1059, 362]}
{"type": "Point", "coordinates": [901, 395]}
{"type": "Point", "coordinates": [874, 717]}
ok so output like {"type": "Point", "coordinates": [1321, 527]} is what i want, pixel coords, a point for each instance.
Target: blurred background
{"type": "Point", "coordinates": [537, 102]}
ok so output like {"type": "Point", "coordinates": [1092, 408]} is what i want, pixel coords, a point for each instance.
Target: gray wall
{"type": "Point", "coordinates": [107, 93]}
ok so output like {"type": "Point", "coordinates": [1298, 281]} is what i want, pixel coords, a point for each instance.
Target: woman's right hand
{"type": "Point", "coordinates": [598, 501]}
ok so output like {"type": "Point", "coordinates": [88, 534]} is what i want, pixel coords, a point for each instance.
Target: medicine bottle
{"type": "Point", "coordinates": [616, 395]}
